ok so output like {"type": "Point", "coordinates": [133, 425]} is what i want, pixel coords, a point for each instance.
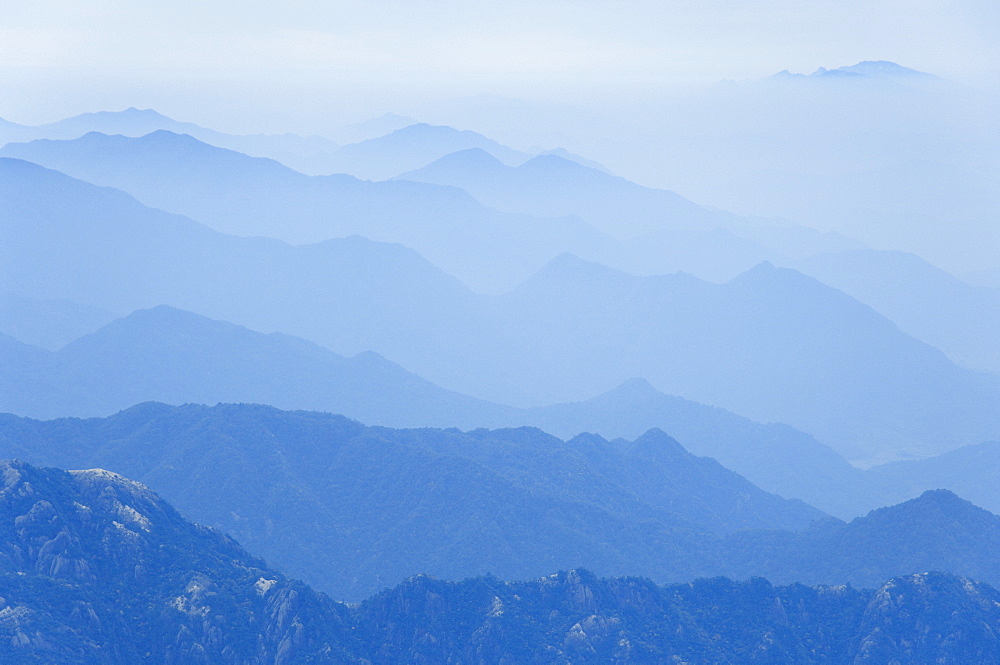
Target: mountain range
{"type": "Point", "coordinates": [105, 571]}
{"type": "Point", "coordinates": [290, 148]}
{"type": "Point", "coordinates": [173, 356]}
{"type": "Point", "coordinates": [495, 405]}
{"type": "Point", "coordinates": [638, 229]}
{"type": "Point", "coordinates": [655, 231]}
{"type": "Point", "coordinates": [772, 345]}
{"type": "Point", "coordinates": [248, 196]}
{"type": "Point", "coordinates": [866, 69]}
{"type": "Point", "coordinates": [374, 505]}
{"type": "Point", "coordinates": [923, 300]}
{"type": "Point", "coordinates": [551, 186]}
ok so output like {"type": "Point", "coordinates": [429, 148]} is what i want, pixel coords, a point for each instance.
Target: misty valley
{"type": "Point", "coordinates": [414, 393]}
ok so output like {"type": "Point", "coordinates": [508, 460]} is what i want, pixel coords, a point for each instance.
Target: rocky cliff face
{"type": "Point", "coordinates": [95, 568]}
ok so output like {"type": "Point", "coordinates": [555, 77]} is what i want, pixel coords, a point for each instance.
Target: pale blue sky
{"type": "Point", "coordinates": [204, 60]}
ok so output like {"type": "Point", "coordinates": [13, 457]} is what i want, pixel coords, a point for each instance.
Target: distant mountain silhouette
{"type": "Point", "coordinates": [936, 531]}
{"type": "Point", "coordinates": [50, 324]}
{"type": "Point", "coordinates": [772, 345]}
{"type": "Point", "coordinates": [925, 301]}
{"type": "Point", "coordinates": [290, 149]}
{"type": "Point", "coordinates": [659, 228]}
{"type": "Point", "coordinates": [101, 248]}
{"type": "Point", "coordinates": [550, 185]}
{"type": "Point", "coordinates": [773, 456]}
{"type": "Point", "coordinates": [170, 355]}
{"type": "Point", "coordinates": [411, 147]}
{"type": "Point", "coordinates": [552, 204]}
{"type": "Point", "coordinates": [353, 509]}
{"type": "Point", "coordinates": [776, 329]}
{"type": "Point", "coordinates": [234, 193]}
{"type": "Point", "coordinates": [867, 69]}
{"type": "Point", "coordinates": [173, 356]}
{"type": "Point", "coordinates": [971, 471]}
{"type": "Point", "coordinates": [372, 128]}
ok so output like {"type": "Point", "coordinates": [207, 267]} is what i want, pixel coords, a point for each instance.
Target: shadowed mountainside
{"type": "Point", "coordinates": [104, 571]}
{"type": "Point", "coordinates": [374, 505]}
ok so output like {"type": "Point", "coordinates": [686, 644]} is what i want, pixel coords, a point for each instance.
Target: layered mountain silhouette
{"type": "Point", "coordinates": [290, 149]}
{"type": "Point", "coordinates": [411, 147]}
{"type": "Point", "coordinates": [865, 70]}
{"type": "Point", "coordinates": [372, 506]}
{"type": "Point", "coordinates": [551, 185]}
{"type": "Point", "coordinates": [234, 193]}
{"type": "Point", "coordinates": [925, 301]}
{"type": "Point", "coordinates": [104, 570]}
{"type": "Point", "coordinates": [831, 359]}
{"type": "Point", "coordinates": [169, 355]}
{"type": "Point", "coordinates": [174, 356]}
{"type": "Point", "coordinates": [642, 230]}
{"type": "Point", "coordinates": [971, 471]}
{"type": "Point", "coordinates": [66, 239]}
{"type": "Point", "coordinates": [926, 533]}
{"type": "Point", "coordinates": [50, 324]}
{"type": "Point", "coordinates": [373, 128]}
{"type": "Point", "coordinates": [772, 345]}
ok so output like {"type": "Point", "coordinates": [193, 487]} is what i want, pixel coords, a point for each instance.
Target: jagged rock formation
{"type": "Point", "coordinates": [95, 568]}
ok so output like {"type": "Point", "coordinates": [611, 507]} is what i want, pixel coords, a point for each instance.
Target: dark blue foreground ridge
{"type": "Point", "coordinates": [95, 568]}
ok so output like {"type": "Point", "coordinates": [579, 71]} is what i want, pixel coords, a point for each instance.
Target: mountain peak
{"type": "Point", "coordinates": [105, 477]}
{"type": "Point", "coordinates": [635, 387]}
{"type": "Point", "coordinates": [933, 504]}
{"type": "Point", "coordinates": [551, 162]}
{"type": "Point", "coordinates": [131, 113]}
{"type": "Point", "coordinates": [876, 68]}
{"type": "Point", "coordinates": [656, 441]}
{"type": "Point", "coordinates": [568, 264]}
{"type": "Point", "coordinates": [766, 272]}
{"type": "Point", "coordinates": [940, 497]}
{"type": "Point", "coordinates": [468, 158]}
{"type": "Point", "coordinates": [866, 69]}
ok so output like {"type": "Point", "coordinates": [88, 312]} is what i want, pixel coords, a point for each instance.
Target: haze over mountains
{"type": "Point", "coordinates": [925, 301]}
{"type": "Point", "coordinates": [901, 163]}
{"type": "Point", "coordinates": [673, 234]}
{"type": "Point", "coordinates": [373, 505]}
{"type": "Point", "coordinates": [233, 193]}
{"type": "Point", "coordinates": [574, 330]}
{"type": "Point", "coordinates": [247, 196]}
{"type": "Point", "coordinates": [178, 357]}
{"type": "Point", "coordinates": [139, 122]}
{"type": "Point", "coordinates": [620, 368]}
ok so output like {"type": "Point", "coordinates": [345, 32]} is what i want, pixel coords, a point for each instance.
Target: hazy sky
{"type": "Point", "coordinates": [300, 64]}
